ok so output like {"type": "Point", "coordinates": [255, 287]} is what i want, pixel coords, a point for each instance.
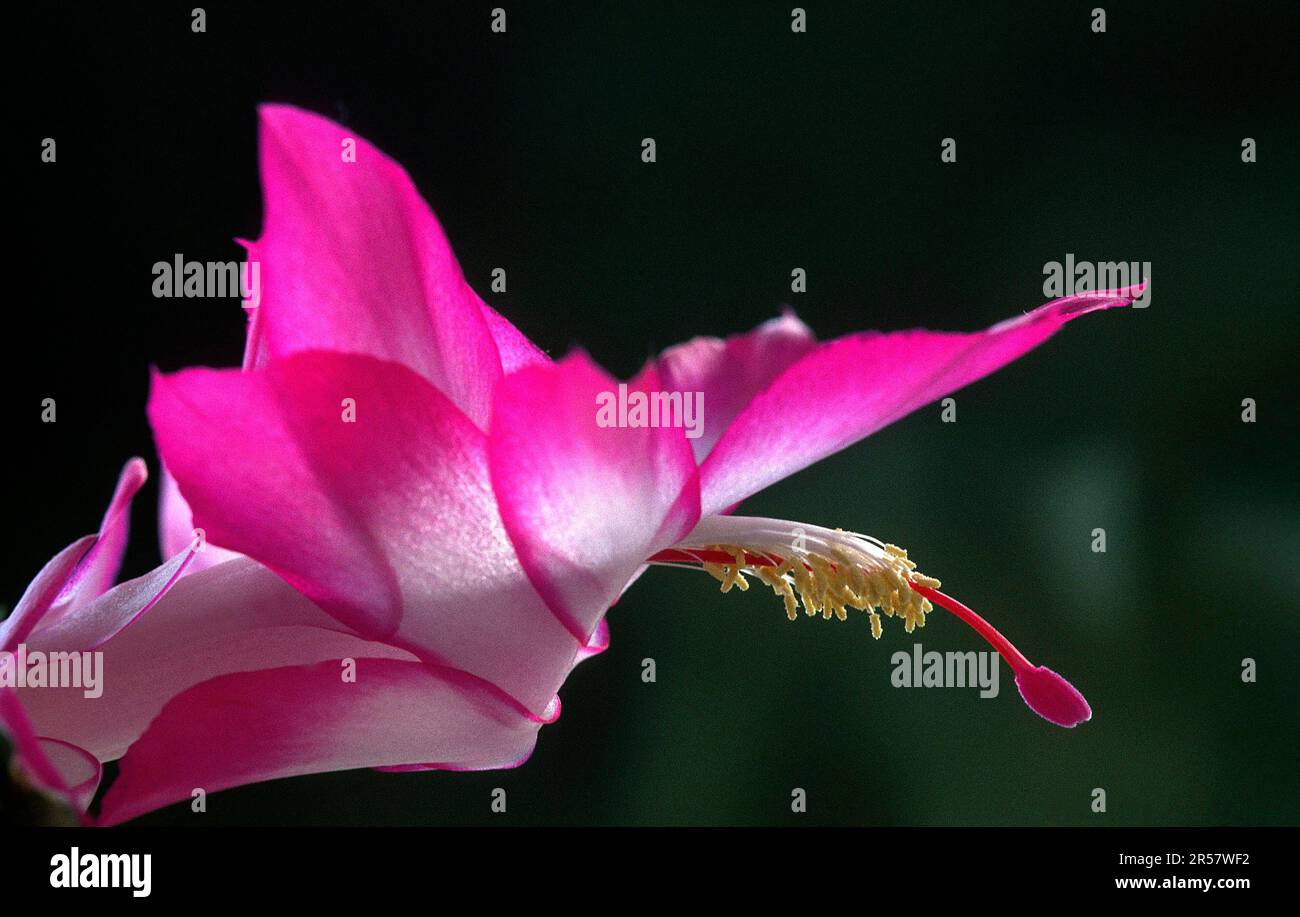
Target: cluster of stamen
{"type": "Point", "coordinates": [829, 571]}
{"type": "Point", "coordinates": [828, 579]}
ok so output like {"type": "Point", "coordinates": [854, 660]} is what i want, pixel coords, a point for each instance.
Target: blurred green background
{"type": "Point", "coordinates": [775, 151]}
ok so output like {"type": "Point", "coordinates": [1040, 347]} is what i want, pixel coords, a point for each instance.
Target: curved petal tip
{"type": "Point", "coordinates": [1052, 697]}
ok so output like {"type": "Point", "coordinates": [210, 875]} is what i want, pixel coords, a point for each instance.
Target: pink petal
{"type": "Point", "coordinates": [74, 578]}
{"type": "Point", "coordinates": [597, 644]}
{"type": "Point", "coordinates": [41, 593]}
{"type": "Point", "coordinates": [389, 523]}
{"type": "Point", "coordinates": [584, 504]}
{"type": "Point", "coordinates": [82, 571]}
{"type": "Point", "coordinates": [731, 372]}
{"type": "Point", "coordinates": [848, 388]}
{"type": "Point", "coordinates": [176, 530]}
{"type": "Point", "coordinates": [53, 761]}
{"type": "Point", "coordinates": [239, 618]}
{"type": "Point", "coordinates": [353, 260]}
{"type": "Point", "coordinates": [517, 352]}
{"type": "Point", "coordinates": [30, 753]}
{"type": "Point", "coordinates": [44, 762]}
{"type": "Point", "coordinates": [287, 721]}
{"type": "Point", "coordinates": [98, 621]}
{"type": "Point", "coordinates": [79, 770]}
{"type": "Point", "coordinates": [44, 746]}
{"type": "Point", "coordinates": [98, 569]}
{"type": "Point", "coordinates": [255, 353]}
{"type": "Point", "coordinates": [159, 641]}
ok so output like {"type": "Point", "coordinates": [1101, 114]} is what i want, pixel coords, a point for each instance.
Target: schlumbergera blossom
{"type": "Point", "coordinates": [398, 477]}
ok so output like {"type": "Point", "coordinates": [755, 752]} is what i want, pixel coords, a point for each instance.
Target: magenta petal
{"type": "Point", "coordinates": [98, 621]}
{"type": "Point", "coordinates": [42, 592]}
{"type": "Point", "coordinates": [58, 768]}
{"type": "Point", "coordinates": [43, 746]}
{"type": "Point", "coordinates": [234, 617]}
{"type": "Point", "coordinates": [517, 352]}
{"type": "Point", "coordinates": [283, 722]}
{"type": "Point", "coordinates": [255, 353]}
{"type": "Point", "coordinates": [585, 505]}
{"type": "Point", "coordinates": [30, 752]}
{"type": "Point", "coordinates": [73, 578]}
{"type": "Point", "coordinates": [34, 731]}
{"type": "Point", "coordinates": [353, 260]}
{"type": "Point", "coordinates": [848, 388]}
{"type": "Point", "coordinates": [1052, 697]}
{"type": "Point", "coordinates": [176, 530]}
{"type": "Point", "coordinates": [98, 569]}
{"type": "Point", "coordinates": [189, 650]}
{"type": "Point", "coordinates": [170, 677]}
{"type": "Point", "coordinates": [731, 372]}
{"type": "Point", "coordinates": [387, 520]}
{"type": "Point", "coordinates": [598, 643]}
{"type": "Point", "coordinates": [79, 771]}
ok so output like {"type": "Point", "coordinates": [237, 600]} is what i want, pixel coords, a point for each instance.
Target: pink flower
{"type": "Point", "coordinates": [447, 510]}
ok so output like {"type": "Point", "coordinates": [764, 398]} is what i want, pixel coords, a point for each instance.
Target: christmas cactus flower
{"type": "Point", "coordinates": [401, 474]}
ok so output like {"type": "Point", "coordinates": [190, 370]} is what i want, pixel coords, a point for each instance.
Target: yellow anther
{"type": "Point", "coordinates": [856, 574]}
{"type": "Point", "coordinates": [738, 568]}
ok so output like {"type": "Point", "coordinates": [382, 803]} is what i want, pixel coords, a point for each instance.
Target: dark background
{"type": "Point", "coordinates": [775, 150]}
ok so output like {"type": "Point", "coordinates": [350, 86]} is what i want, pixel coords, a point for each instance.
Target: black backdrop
{"type": "Point", "coordinates": [775, 150]}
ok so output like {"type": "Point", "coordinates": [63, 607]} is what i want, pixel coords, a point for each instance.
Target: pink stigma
{"type": "Point", "coordinates": [1047, 694]}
